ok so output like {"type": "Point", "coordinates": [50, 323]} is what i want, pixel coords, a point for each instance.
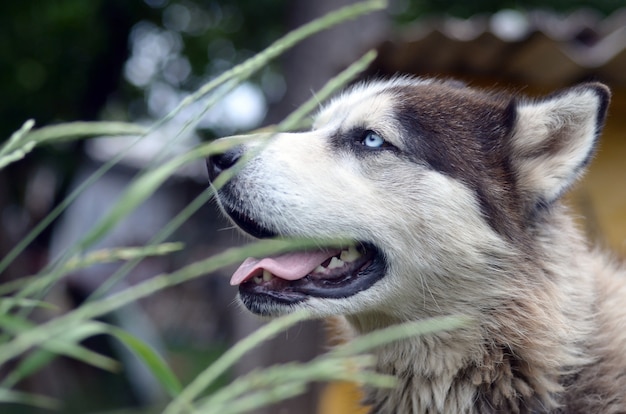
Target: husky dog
{"type": "Point", "coordinates": [452, 198]}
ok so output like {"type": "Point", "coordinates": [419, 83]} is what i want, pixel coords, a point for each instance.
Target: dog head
{"type": "Point", "coordinates": [439, 187]}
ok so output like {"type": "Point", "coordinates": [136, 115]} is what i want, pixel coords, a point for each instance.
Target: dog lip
{"type": "Point", "coordinates": [250, 225]}
{"type": "Point", "coordinates": [277, 292]}
{"type": "Point", "coordinates": [271, 298]}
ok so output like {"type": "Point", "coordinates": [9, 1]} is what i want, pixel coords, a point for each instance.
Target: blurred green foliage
{"type": "Point", "coordinates": [62, 60]}
{"type": "Point", "coordinates": [409, 10]}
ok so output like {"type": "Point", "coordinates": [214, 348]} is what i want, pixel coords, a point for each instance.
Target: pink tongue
{"type": "Point", "coordinates": [289, 266]}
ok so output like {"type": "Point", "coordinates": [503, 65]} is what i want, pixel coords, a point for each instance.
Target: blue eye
{"type": "Point", "coordinates": [373, 140]}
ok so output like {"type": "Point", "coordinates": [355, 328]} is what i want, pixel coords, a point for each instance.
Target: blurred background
{"type": "Point", "coordinates": [66, 60]}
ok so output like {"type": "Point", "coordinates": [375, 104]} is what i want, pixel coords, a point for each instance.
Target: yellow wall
{"type": "Point", "coordinates": [601, 196]}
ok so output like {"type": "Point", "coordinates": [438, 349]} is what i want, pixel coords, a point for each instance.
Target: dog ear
{"type": "Point", "coordinates": [554, 139]}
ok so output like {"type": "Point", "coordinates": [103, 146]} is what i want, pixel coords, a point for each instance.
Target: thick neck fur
{"type": "Point", "coordinates": [519, 355]}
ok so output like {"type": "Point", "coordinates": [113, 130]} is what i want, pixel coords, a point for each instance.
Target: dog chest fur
{"type": "Point", "coordinates": [455, 194]}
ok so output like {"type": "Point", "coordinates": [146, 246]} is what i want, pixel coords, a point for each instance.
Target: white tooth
{"type": "Point", "coordinates": [350, 255]}
{"type": "Point", "coordinates": [319, 269]}
{"type": "Point", "coordinates": [267, 276]}
{"type": "Point", "coordinates": [257, 280]}
{"type": "Point", "coordinates": [334, 263]}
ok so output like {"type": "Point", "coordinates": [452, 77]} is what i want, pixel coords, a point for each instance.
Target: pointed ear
{"type": "Point", "coordinates": [554, 139]}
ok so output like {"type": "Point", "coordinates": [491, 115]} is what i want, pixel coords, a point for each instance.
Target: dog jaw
{"type": "Point", "coordinates": [270, 285]}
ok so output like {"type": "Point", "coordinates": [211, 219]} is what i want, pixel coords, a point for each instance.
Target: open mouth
{"type": "Point", "coordinates": [293, 277]}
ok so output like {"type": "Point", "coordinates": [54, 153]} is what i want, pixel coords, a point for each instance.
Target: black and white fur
{"type": "Point", "coordinates": [457, 207]}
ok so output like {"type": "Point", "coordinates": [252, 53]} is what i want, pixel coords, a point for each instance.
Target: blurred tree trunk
{"type": "Point", "coordinates": [306, 68]}
{"type": "Point", "coordinates": [309, 65]}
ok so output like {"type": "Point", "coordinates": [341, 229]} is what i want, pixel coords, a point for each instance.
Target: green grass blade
{"type": "Point", "coordinates": [57, 211]}
{"type": "Point", "coordinates": [323, 368]}
{"type": "Point", "coordinates": [142, 187]}
{"type": "Point", "coordinates": [402, 331]}
{"type": "Point", "coordinates": [73, 130]}
{"type": "Point", "coordinates": [151, 359]}
{"type": "Point", "coordinates": [30, 285]}
{"type": "Point", "coordinates": [206, 378]}
{"type": "Point", "coordinates": [76, 319]}
{"type": "Point", "coordinates": [120, 254]}
{"type": "Point", "coordinates": [15, 285]}
{"type": "Point", "coordinates": [66, 345]}
{"type": "Point", "coordinates": [163, 234]}
{"type": "Point", "coordinates": [7, 303]}
{"type": "Point", "coordinates": [332, 86]}
{"type": "Point", "coordinates": [255, 400]}
{"type": "Point", "coordinates": [292, 38]}
{"type": "Point", "coordinates": [344, 363]}
{"type": "Point", "coordinates": [16, 154]}
{"type": "Point", "coordinates": [16, 138]}
{"type": "Point", "coordinates": [34, 400]}
{"type": "Point", "coordinates": [14, 323]}
{"type": "Point", "coordinates": [24, 141]}
{"type": "Point", "coordinates": [28, 366]}
{"type": "Point", "coordinates": [138, 191]}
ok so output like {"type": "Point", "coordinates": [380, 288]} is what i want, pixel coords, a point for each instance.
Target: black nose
{"type": "Point", "coordinates": [218, 163]}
